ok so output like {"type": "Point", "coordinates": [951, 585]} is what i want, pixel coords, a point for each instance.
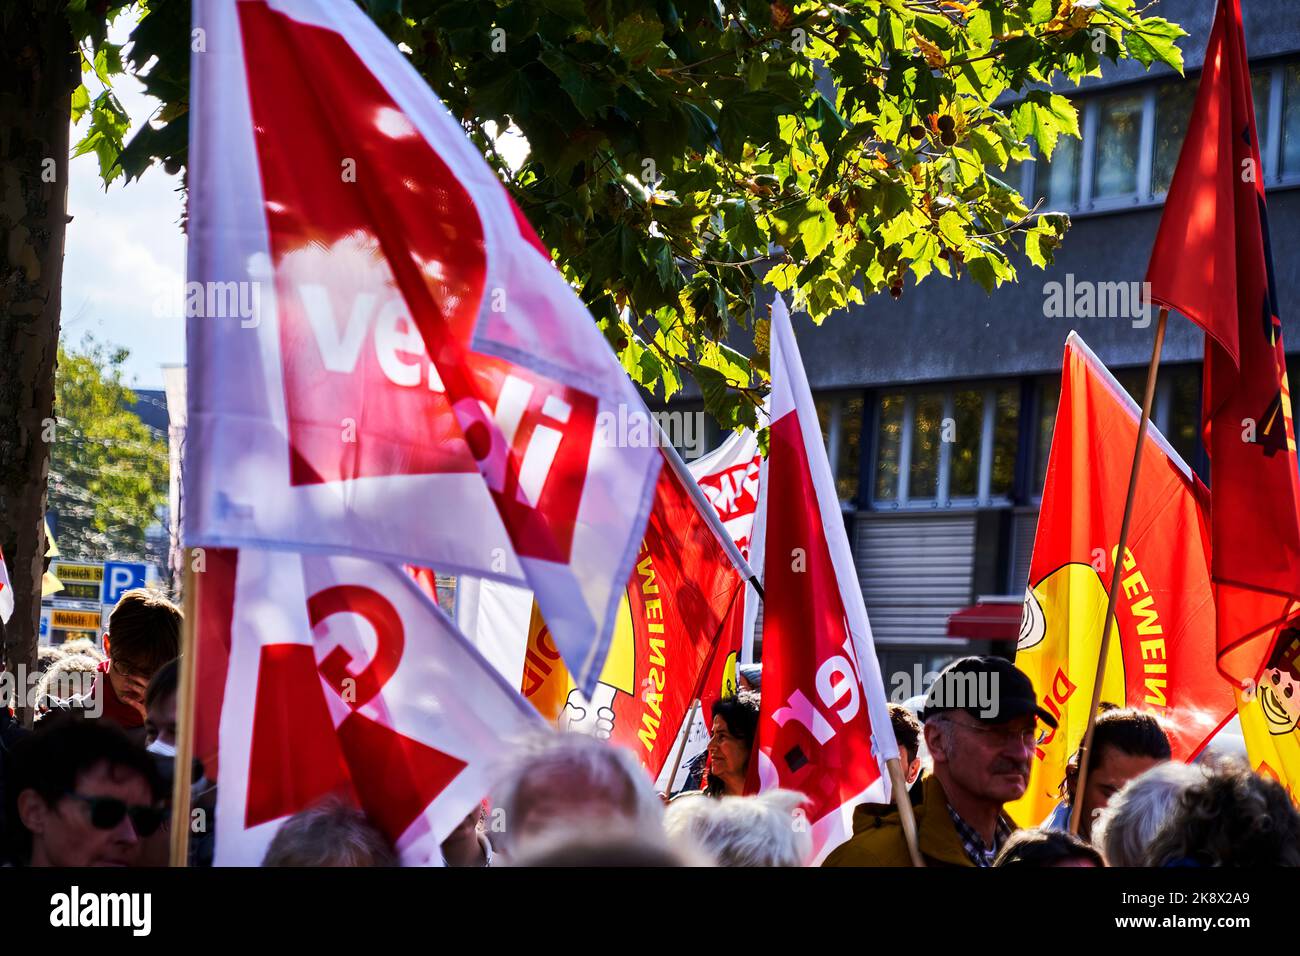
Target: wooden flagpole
{"type": "Point", "coordinates": [181, 783]}
{"type": "Point", "coordinates": [686, 735]}
{"type": "Point", "coordinates": [902, 800]}
{"type": "Point", "coordinates": [1081, 781]}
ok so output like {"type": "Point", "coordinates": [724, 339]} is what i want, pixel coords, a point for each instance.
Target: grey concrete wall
{"type": "Point", "coordinates": [944, 329]}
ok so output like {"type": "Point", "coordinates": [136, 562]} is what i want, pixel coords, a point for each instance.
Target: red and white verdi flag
{"type": "Point", "coordinates": [6, 592]}
{"type": "Point", "coordinates": [824, 729]}
{"type": "Point", "coordinates": [344, 678]}
{"type": "Point", "coordinates": [729, 476]}
{"type": "Point", "coordinates": [383, 359]}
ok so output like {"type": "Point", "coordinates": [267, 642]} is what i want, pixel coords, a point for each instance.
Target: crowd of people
{"type": "Point", "coordinates": [91, 785]}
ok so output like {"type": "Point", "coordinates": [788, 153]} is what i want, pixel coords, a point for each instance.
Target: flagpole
{"type": "Point", "coordinates": [181, 783]}
{"type": "Point", "coordinates": [686, 736]}
{"type": "Point", "coordinates": [903, 800]}
{"type": "Point", "coordinates": [1081, 781]}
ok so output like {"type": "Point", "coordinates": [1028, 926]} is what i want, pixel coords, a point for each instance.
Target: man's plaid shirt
{"type": "Point", "coordinates": [979, 854]}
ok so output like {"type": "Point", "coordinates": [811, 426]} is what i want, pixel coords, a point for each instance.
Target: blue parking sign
{"type": "Point", "coordinates": [120, 577]}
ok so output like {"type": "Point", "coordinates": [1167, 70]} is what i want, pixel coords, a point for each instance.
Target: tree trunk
{"type": "Point", "coordinates": [38, 72]}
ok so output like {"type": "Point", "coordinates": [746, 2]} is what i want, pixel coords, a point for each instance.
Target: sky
{"type": "Point", "coordinates": [124, 262]}
{"type": "Point", "coordinates": [124, 251]}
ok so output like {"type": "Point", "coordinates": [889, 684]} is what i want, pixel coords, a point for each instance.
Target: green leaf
{"type": "Point", "coordinates": [636, 36]}
{"type": "Point", "coordinates": [1156, 40]}
{"type": "Point", "coordinates": [741, 226]}
{"type": "Point", "coordinates": [982, 271]}
{"type": "Point", "coordinates": [80, 102]}
{"type": "Point", "coordinates": [898, 229]}
{"type": "Point", "coordinates": [826, 121]}
{"type": "Point", "coordinates": [589, 94]}
{"type": "Point", "coordinates": [817, 231]}
{"type": "Point", "coordinates": [749, 118]}
{"type": "Point", "coordinates": [1044, 116]}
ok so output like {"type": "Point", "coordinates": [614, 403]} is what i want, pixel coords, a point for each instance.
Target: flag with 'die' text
{"type": "Point", "coordinates": [1161, 653]}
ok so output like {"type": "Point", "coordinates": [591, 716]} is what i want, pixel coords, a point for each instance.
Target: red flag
{"type": "Point", "coordinates": [824, 728]}
{"type": "Point", "coordinates": [426, 578]}
{"type": "Point", "coordinates": [1211, 262]}
{"type": "Point", "coordinates": [679, 624]}
{"type": "Point", "coordinates": [1162, 648]}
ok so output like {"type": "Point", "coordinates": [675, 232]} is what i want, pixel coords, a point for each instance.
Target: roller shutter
{"type": "Point", "coordinates": [915, 570]}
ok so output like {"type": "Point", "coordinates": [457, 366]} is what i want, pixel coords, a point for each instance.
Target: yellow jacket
{"type": "Point", "coordinates": [878, 834]}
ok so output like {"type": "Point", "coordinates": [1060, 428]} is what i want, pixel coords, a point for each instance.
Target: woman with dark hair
{"type": "Point", "coordinates": [1047, 848]}
{"type": "Point", "coordinates": [731, 743]}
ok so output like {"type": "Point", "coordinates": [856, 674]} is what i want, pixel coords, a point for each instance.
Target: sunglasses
{"type": "Point", "coordinates": [107, 812]}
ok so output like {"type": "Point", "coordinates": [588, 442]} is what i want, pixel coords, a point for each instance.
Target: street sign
{"type": "Point", "coordinates": [81, 590]}
{"type": "Point", "coordinates": [120, 577]}
{"type": "Point", "coordinates": [66, 605]}
{"type": "Point", "coordinates": [45, 625]}
{"type": "Point", "coordinates": [77, 573]}
{"type": "Point", "coordinates": [61, 620]}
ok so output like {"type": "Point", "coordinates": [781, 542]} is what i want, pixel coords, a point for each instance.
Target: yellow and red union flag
{"type": "Point", "coordinates": [1161, 656]}
{"type": "Point", "coordinates": [1212, 262]}
{"type": "Point", "coordinates": [678, 624]}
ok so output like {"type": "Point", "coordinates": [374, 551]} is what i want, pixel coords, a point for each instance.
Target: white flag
{"type": "Point", "coordinates": [383, 359]}
{"type": "Point", "coordinates": [345, 679]}
{"type": "Point", "coordinates": [6, 592]}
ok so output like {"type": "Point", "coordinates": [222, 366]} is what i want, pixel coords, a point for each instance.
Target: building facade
{"type": "Point", "coordinates": [938, 408]}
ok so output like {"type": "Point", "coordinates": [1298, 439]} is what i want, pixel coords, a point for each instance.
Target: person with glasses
{"type": "Point", "coordinates": [981, 721]}
{"type": "Point", "coordinates": [81, 794]}
{"type": "Point", "coordinates": [144, 633]}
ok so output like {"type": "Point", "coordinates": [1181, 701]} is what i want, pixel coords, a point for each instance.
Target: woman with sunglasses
{"type": "Point", "coordinates": [82, 795]}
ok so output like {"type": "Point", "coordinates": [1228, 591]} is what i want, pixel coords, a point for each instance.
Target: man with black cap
{"type": "Point", "coordinates": [981, 726]}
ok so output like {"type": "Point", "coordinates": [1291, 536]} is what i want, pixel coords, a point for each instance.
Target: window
{"type": "Point", "coordinates": [849, 461]}
{"type": "Point", "coordinates": [959, 446]}
{"type": "Point", "coordinates": [1058, 177]}
{"type": "Point", "coordinates": [1119, 136]}
{"type": "Point", "coordinates": [1173, 110]}
{"type": "Point", "coordinates": [1176, 412]}
{"type": "Point", "coordinates": [1261, 88]}
{"type": "Point", "coordinates": [889, 438]}
{"type": "Point", "coordinates": [1006, 436]}
{"type": "Point", "coordinates": [1049, 397]}
{"type": "Point", "coordinates": [1184, 416]}
{"type": "Point", "coordinates": [923, 466]}
{"type": "Point", "coordinates": [1134, 381]}
{"type": "Point", "coordinates": [841, 422]}
{"type": "Point", "coordinates": [1291, 121]}
{"type": "Point", "coordinates": [1132, 141]}
{"type": "Point", "coordinates": [965, 434]}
